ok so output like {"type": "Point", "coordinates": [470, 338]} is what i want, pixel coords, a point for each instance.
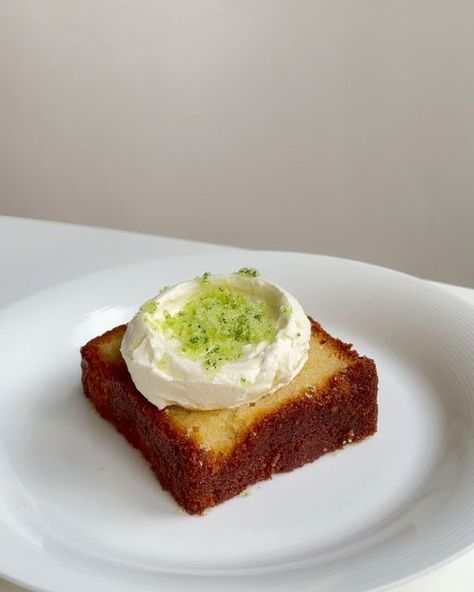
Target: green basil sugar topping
{"type": "Point", "coordinates": [150, 307]}
{"type": "Point", "coordinates": [214, 326]}
{"type": "Point", "coordinates": [248, 271]}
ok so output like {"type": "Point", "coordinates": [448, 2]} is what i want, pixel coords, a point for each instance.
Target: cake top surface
{"type": "Point", "coordinates": [220, 430]}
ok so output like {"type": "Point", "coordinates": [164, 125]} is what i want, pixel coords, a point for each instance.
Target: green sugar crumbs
{"type": "Point", "coordinates": [248, 272]}
{"type": "Point", "coordinates": [150, 307]}
{"type": "Point", "coordinates": [286, 312]}
{"type": "Point", "coordinates": [215, 326]}
{"type": "Point", "coordinates": [204, 278]}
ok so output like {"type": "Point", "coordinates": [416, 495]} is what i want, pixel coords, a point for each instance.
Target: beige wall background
{"type": "Point", "coordinates": [340, 127]}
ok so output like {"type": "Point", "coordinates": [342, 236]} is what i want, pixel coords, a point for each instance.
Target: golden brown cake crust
{"type": "Point", "coordinates": [300, 430]}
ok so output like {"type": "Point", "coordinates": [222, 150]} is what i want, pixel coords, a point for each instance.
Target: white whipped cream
{"type": "Point", "coordinates": [167, 376]}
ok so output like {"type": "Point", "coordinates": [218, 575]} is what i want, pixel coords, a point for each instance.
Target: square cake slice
{"type": "Point", "coordinates": [205, 457]}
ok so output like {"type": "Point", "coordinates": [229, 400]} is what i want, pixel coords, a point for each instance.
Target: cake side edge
{"type": "Point", "coordinates": [299, 432]}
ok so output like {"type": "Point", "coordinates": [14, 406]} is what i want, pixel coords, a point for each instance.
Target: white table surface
{"type": "Point", "coordinates": [36, 254]}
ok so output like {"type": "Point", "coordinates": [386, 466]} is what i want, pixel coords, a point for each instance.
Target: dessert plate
{"type": "Point", "coordinates": [80, 510]}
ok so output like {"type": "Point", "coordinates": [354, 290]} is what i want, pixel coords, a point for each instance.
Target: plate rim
{"type": "Point", "coordinates": [426, 283]}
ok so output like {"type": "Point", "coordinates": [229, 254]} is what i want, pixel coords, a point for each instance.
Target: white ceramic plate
{"type": "Point", "coordinates": [80, 510]}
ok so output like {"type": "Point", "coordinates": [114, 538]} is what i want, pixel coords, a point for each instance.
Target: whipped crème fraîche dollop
{"type": "Point", "coordinates": [216, 341]}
